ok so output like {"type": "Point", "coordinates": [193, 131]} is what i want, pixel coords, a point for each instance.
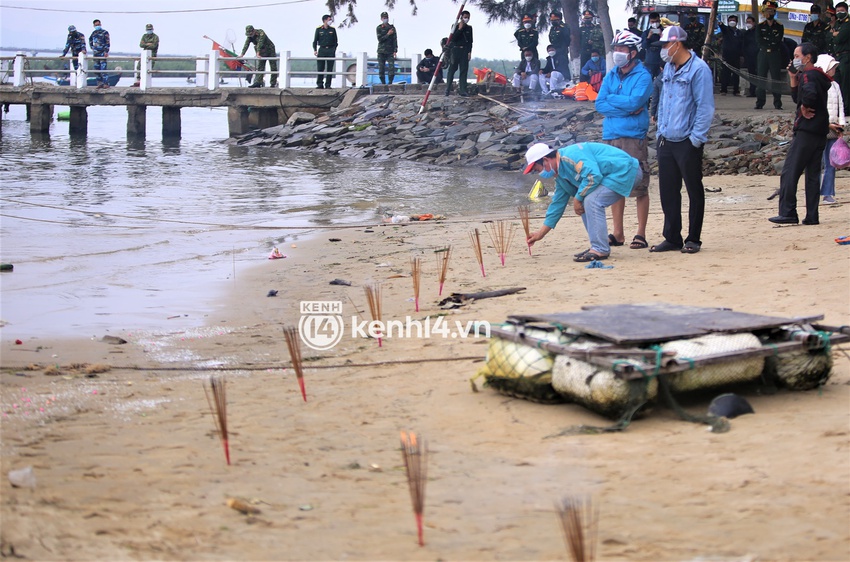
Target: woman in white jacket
{"type": "Point", "coordinates": [835, 104]}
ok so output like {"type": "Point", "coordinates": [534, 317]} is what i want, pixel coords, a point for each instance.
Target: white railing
{"type": "Point", "coordinates": [348, 71]}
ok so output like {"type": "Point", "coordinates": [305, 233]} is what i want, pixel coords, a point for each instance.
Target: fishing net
{"type": "Point", "coordinates": [770, 86]}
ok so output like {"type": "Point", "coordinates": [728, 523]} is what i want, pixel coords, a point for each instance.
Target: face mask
{"type": "Point", "coordinates": [529, 59]}
{"type": "Point", "coordinates": [385, 20]}
{"type": "Point", "coordinates": [97, 28]}
{"type": "Point", "coordinates": [551, 53]}
{"type": "Point", "coordinates": [733, 23]}
{"type": "Point", "coordinates": [749, 26]}
{"type": "Point", "coordinates": [654, 25]}
{"type": "Point", "coordinates": [465, 20]}
{"type": "Point", "coordinates": [841, 15]}
{"type": "Point", "coordinates": [527, 25]}
{"type": "Point", "coordinates": [798, 63]}
{"type": "Point", "coordinates": [149, 32]}
{"type": "Point", "coordinates": [770, 15]}
{"type": "Point", "coordinates": [620, 59]}
{"type": "Point", "coordinates": [665, 55]}
{"type": "Point", "coordinates": [546, 174]}
{"type": "Point", "coordinates": [814, 17]}
{"type": "Point", "coordinates": [588, 21]}
{"type": "Point", "coordinates": [594, 59]}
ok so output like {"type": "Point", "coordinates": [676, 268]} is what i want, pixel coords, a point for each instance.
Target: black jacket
{"type": "Point", "coordinates": [812, 91]}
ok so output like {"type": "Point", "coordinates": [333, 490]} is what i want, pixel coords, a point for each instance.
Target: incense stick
{"type": "Point", "coordinates": [578, 518]}
{"type": "Point", "coordinates": [523, 216]}
{"type": "Point", "coordinates": [294, 345]}
{"type": "Point", "coordinates": [415, 453]}
{"type": "Point", "coordinates": [416, 273]}
{"type": "Point", "coordinates": [475, 238]}
{"type": "Point", "coordinates": [373, 295]}
{"type": "Point", "coordinates": [501, 234]}
{"type": "Point", "coordinates": [218, 409]}
{"type": "Point", "coordinates": [443, 265]}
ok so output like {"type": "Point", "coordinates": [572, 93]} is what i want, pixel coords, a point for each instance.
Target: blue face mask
{"type": "Point", "coordinates": [97, 28]}
{"type": "Point", "coordinates": [814, 17]}
{"type": "Point", "coordinates": [546, 174]}
{"type": "Point", "coordinates": [594, 59]}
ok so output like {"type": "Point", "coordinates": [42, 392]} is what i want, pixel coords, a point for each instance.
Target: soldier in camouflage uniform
{"type": "Point", "coordinates": [76, 43]}
{"type": "Point", "coordinates": [387, 47]}
{"type": "Point", "coordinates": [324, 45]}
{"type": "Point", "coordinates": [841, 46]}
{"type": "Point", "coordinates": [591, 38]}
{"type": "Point", "coordinates": [817, 31]}
{"type": "Point", "coordinates": [99, 43]}
{"type": "Point", "coordinates": [149, 42]}
{"type": "Point", "coordinates": [559, 37]}
{"type": "Point", "coordinates": [696, 35]}
{"type": "Point", "coordinates": [264, 47]}
{"type": "Point", "coordinates": [527, 37]}
{"type": "Point", "coordinates": [769, 34]}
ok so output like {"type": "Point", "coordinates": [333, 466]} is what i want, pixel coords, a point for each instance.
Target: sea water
{"type": "Point", "coordinates": [109, 233]}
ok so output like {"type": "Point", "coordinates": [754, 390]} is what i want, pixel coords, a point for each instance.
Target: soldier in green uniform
{"type": "Point", "coordinates": [527, 37]}
{"type": "Point", "coordinates": [817, 31]}
{"type": "Point", "coordinates": [559, 37]}
{"type": "Point", "coordinates": [591, 38]}
{"type": "Point", "coordinates": [696, 35]}
{"type": "Point", "coordinates": [387, 47]}
{"type": "Point", "coordinates": [841, 46]}
{"type": "Point", "coordinates": [264, 48]}
{"type": "Point", "coordinates": [324, 46]}
{"type": "Point", "coordinates": [769, 35]}
{"type": "Point", "coordinates": [149, 42]}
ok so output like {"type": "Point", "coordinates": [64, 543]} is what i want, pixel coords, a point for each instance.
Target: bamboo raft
{"type": "Point", "coordinates": [615, 359]}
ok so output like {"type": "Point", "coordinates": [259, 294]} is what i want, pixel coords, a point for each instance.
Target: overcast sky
{"type": "Point", "coordinates": [289, 25]}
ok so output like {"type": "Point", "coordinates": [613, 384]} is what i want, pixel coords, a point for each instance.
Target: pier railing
{"type": "Point", "coordinates": [209, 71]}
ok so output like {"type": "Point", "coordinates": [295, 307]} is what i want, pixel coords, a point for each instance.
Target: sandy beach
{"type": "Point", "coordinates": [128, 465]}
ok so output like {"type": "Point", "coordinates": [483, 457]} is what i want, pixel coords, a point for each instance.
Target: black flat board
{"type": "Point", "coordinates": [657, 322]}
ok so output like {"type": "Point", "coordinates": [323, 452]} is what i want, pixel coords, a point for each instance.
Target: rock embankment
{"type": "Point", "coordinates": [485, 132]}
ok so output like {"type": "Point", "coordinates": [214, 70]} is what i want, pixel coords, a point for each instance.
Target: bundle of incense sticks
{"type": "Point", "coordinates": [501, 234]}
{"type": "Point", "coordinates": [443, 265]}
{"type": "Point", "coordinates": [475, 238]}
{"type": "Point", "coordinates": [578, 519]}
{"type": "Point", "coordinates": [218, 409]}
{"type": "Point", "coordinates": [293, 342]}
{"type": "Point", "coordinates": [373, 295]}
{"type": "Point", "coordinates": [416, 274]}
{"type": "Point", "coordinates": [415, 453]}
{"type": "Point", "coordinates": [523, 215]}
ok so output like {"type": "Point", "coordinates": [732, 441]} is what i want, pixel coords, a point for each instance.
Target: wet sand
{"type": "Point", "coordinates": [128, 465]}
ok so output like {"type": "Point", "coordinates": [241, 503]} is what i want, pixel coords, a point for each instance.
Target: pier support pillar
{"type": "Point", "coordinates": [136, 120]}
{"type": "Point", "coordinates": [79, 121]}
{"type": "Point", "coordinates": [237, 120]}
{"type": "Point", "coordinates": [170, 122]}
{"type": "Point", "coordinates": [41, 114]}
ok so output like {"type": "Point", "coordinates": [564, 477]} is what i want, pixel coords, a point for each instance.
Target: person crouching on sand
{"type": "Point", "coordinates": [596, 176]}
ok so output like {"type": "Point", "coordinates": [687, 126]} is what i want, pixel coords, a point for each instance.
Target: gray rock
{"type": "Point", "coordinates": [299, 117]}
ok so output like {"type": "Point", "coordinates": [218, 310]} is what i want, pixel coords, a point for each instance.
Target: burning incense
{"type": "Point", "coordinates": [218, 409]}
{"type": "Point", "coordinates": [501, 234]}
{"type": "Point", "coordinates": [443, 265]}
{"type": "Point", "coordinates": [294, 345]}
{"type": "Point", "coordinates": [475, 238]}
{"type": "Point", "coordinates": [578, 520]}
{"type": "Point", "coordinates": [415, 454]}
{"type": "Point", "coordinates": [523, 215]}
{"type": "Point", "coordinates": [416, 273]}
{"type": "Point", "coordinates": [373, 295]}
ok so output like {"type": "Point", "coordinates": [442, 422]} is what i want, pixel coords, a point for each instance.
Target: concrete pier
{"type": "Point", "coordinates": [171, 122]}
{"type": "Point", "coordinates": [41, 115]}
{"type": "Point", "coordinates": [136, 120]}
{"type": "Point", "coordinates": [79, 121]}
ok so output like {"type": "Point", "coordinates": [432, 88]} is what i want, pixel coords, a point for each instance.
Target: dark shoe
{"type": "Point", "coordinates": [463, 94]}
{"type": "Point", "coordinates": [613, 241]}
{"type": "Point", "coordinates": [759, 106]}
{"type": "Point", "coordinates": [665, 247]}
{"type": "Point", "coordinates": [589, 256]}
{"type": "Point", "coordinates": [581, 253]}
{"type": "Point", "coordinates": [779, 219]}
{"type": "Point", "coordinates": [256, 85]}
{"type": "Point", "coordinates": [273, 85]}
{"type": "Point", "coordinates": [777, 105]}
{"type": "Point", "coordinates": [810, 222]}
{"type": "Point", "coordinates": [319, 86]}
{"type": "Point", "coordinates": [691, 248]}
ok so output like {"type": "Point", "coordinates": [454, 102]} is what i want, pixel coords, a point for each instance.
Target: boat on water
{"type": "Point", "coordinates": [111, 80]}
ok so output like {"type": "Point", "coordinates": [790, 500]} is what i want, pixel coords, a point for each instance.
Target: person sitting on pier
{"type": "Point", "coordinates": [264, 47]}
{"type": "Point", "coordinates": [149, 42]}
{"type": "Point", "coordinates": [76, 43]}
{"type": "Point", "coordinates": [99, 43]}
{"type": "Point", "coordinates": [554, 76]}
{"type": "Point", "coordinates": [427, 67]}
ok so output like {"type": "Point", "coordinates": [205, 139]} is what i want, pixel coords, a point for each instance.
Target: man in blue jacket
{"type": "Point", "coordinates": [596, 175]}
{"type": "Point", "coordinates": [652, 45]}
{"type": "Point", "coordinates": [685, 111]}
{"type": "Point", "coordinates": [623, 100]}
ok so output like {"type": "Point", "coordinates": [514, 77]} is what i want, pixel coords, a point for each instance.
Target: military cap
{"type": "Point", "coordinates": [149, 26]}
{"type": "Point", "coordinates": [71, 28]}
{"type": "Point", "coordinates": [770, 4]}
{"type": "Point", "coordinates": [588, 13]}
{"type": "Point", "coordinates": [384, 15]}
{"type": "Point", "coordinates": [556, 15]}
{"type": "Point", "coordinates": [249, 29]}
{"type": "Point", "coordinates": [526, 18]}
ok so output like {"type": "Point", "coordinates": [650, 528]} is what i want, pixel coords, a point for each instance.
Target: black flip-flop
{"type": "Point", "coordinates": [665, 247]}
{"type": "Point", "coordinates": [589, 256]}
{"type": "Point", "coordinates": [613, 241]}
{"type": "Point", "coordinates": [691, 248]}
{"type": "Point", "coordinates": [638, 243]}
{"type": "Point", "coordinates": [580, 254]}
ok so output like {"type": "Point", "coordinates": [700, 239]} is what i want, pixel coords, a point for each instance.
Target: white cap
{"type": "Point", "coordinates": [673, 33]}
{"type": "Point", "coordinates": [826, 62]}
{"type": "Point", "coordinates": [535, 153]}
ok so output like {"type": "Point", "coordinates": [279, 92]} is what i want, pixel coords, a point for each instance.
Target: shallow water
{"type": "Point", "coordinates": [107, 233]}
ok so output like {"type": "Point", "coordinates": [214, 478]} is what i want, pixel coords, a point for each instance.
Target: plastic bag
{"type": "Point", "coordinates": [839, 154]}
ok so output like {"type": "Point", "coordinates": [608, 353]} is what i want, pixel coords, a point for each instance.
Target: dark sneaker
{"type": "Point", "coordinates": [255, 85]}
{"type": "Point", "coordinates": [779, 219]}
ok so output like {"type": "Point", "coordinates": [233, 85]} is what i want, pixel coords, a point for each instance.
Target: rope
{"type": "Point", "coordinates": [768, 84]}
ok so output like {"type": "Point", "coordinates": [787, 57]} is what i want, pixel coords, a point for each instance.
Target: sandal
{"type": "Point", "coordinates": [614, 242]}
{"type": "Point", "coordinates": [638, 243]}
{"type": "Point", "coordinates": [590, 256]}
{"type": "Point", "coordinates": [665, 247]}
{"type": "Point", "coordinates": [580, 254]}
{"type": "Point", "coordinates": [691, 248]}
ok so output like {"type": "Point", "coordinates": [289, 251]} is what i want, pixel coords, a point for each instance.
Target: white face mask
{"type": "Point", "coordinates": [551, 53]}
{"type": "Point", "coordinates": [733, 23]}
{"type": "Point", "coordinates": [527, 25]}
{"type": "Point", "coordinates": [529, 59]}
{"type": "Point", "coordinates": [620, 59]}
{"type": "Point", "coordinates": [385, 20]}
{"type": "Point", "coordinates": [749, 26]}
{"type": "Point", "coordinates": [654, 25]}
{"type": "Point", "coordinates": [465, 20]}
{"type": "Point", "coordinates": [665, 54]}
